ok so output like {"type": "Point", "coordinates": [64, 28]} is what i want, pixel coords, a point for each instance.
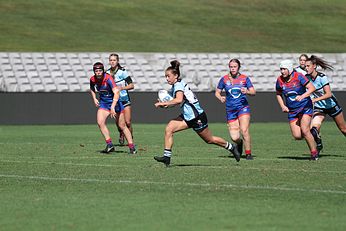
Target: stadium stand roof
{"type": "Point", "coordinates": [70, 72]}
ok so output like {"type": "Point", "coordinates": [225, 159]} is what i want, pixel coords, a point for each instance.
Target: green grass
{"type": "Point", "coordinates": [173, 26]}
{"type": "Point", "coordinates": [54, 178]}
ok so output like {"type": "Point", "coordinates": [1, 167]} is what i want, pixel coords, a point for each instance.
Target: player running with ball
{"type": "Point", "coordinates": [193, 116]}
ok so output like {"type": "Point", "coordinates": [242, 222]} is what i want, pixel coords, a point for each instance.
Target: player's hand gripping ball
{"type": "Point", "coordinates": [164, 96]}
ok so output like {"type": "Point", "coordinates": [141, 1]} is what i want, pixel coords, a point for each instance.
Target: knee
{"type": "Point", "coordinates": [128, 123]}
{"type": "Point", "coordinates": [169, 130]}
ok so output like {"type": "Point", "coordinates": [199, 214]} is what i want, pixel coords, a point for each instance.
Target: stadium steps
{"type": "Point", "coordinates": [70, 72]}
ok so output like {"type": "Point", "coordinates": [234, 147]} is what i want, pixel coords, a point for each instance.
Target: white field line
{"type": "Point", "coordinates": [116, 155]}
{"type": "Point", "coordinates": [192, 166]}
{"type": "Point", "coordinates": [107, 181]}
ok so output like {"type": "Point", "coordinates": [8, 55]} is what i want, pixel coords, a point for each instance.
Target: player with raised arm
{"type": "Point", "coordinates": [192, 116]}
{"type": "Point", "coordinates": [108, 104]}
{"type": "Point", "coordinates": [293, 91]}
{"type": "Point", "coordinates": [325, 103]}
{"type": "Point", "coordinates": [124, 84]}
{"type": "Point", "coordinates": [236, 87]}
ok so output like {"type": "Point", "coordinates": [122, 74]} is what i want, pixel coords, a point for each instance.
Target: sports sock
{"type": "Point", "coordinates": [109, 141]}
{"type": "Point", "coordinates": [229, 146]}
{"type": "Point", "coordinates": [248, 152]}
{"type": "Point", "coordinates": [314, 153]}
{"type": "Point", "coordinates": [131, 145]}
{"type": "Point", "coordinates": [167, 152]}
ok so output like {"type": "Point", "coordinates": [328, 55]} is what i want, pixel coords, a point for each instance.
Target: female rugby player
{"type": "Point", "coordinates": [124, 84]}
{"type": "Point", "coordinates": [108, 104]}
{"type": "Point", "coordinates": [236, 87]}
{"type": "Point", "coordinates": [325, 103]}
{"type": "Point", "coordinates": [192, 116]}
{"type": "Point", "coordinates": [292, 92]}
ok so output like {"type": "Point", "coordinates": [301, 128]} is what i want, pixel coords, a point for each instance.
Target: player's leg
{"type": "Point", "coordinates": [127, 114]}
{"type": "Point", "coordinates": [101, 122]}
{"type": "Point", "coordinates": [340, 122]}
{"type": "Point", "coordinates": [175, 125]}
{"type": "Point", "coordinates": [295, 129]}
{"type": "Point", "coordinates": [316, 123]}
{"type": "Point", "coordinates": [244, 122]}
{"type": "Point", "coordinates": [209, 138]}
{"type": "Point", "coordinates": [128, 117]}
{"type": "Point", "coordinates": [305, 122]}
{"type": "Point", "coordinates": [124, 129]}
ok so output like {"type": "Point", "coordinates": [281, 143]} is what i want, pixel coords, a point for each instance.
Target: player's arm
{"type": "Point", "coordinates": [93, 94]}
{"type": "Point", "coordinates": [248, 91]}
{"type": "Point", "coordinates": [129, 84]}
{"type": "Point", "coordinates": [178, 99]}
{"type": "Point", "coordinates": [281, 102]}
{"type": "Point", "coordinates": [309, 89]}
{"type": "Point", "coordinates": [327, 94]}
{"type": "Point", "coordinates": [219, 96]}
{"type": "Point", "coordinates": [116, 96]}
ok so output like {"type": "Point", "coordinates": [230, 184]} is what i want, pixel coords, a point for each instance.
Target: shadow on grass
{"type": "Point", "coordinates": [110, 153]}
{"type": "Point", "coordinates": [191, 165]}
{"type": "Point", "coordinates": [306, 157]}
{"type": "Point", "coordinates": [242, 157]}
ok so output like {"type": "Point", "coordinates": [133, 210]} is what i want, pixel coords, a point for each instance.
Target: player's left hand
{"type": "Point", "coordinates": [113, 114]}
{"type": "Point", "coordinates": [243, 90]}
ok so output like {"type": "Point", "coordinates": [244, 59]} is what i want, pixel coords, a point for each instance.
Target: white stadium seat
{"type": "Point", "coordinates": [71, 71]}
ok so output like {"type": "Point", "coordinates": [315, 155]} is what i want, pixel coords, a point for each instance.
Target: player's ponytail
{"type": "Point", "coordinates": [175, 64]}
{"type": "Point", "coordinates": [320, 62]}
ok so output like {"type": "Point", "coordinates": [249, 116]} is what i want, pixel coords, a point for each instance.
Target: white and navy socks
{"type": "Point", "coordinates": [167, 153]}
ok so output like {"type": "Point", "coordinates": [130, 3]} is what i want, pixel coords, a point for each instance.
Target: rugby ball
{"type": "Point", "coordinates": [164, 96]}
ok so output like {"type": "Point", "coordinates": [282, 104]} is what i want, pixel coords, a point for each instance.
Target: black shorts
{"type": "Point", "coordinates": [199, 123]}
{"type": "Point", "coordinates": [332, 112]}
{"type": "Point", "coordinates": [126, 103]}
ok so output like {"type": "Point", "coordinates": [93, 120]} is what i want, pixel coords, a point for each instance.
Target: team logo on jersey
{"type": "Point", "coordinates": [291, 95]}
{"type": "Point", "coordinates": [228, 83]}
{"type": "Point", "coordinates": [235, 92]}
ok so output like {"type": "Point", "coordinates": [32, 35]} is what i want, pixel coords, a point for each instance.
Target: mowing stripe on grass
{"type": "Point", "coordinates": [192, 166]}
{"type": "Point", "coordinates": [89, 180]}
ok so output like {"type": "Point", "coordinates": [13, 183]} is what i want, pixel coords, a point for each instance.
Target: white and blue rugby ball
{"type": "Point", "coordinates": [164, 96]}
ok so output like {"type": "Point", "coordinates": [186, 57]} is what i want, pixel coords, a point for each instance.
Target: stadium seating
{"type": "Point", "coordinates": [70, 72]}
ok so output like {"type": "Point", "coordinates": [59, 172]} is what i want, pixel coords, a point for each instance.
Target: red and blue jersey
{"type": "Point", "coordinates": [104, 86]}
{"type": "Point", "coordinates": [292, 88]}
{"type": "Point", "coordinates": [235, 99]}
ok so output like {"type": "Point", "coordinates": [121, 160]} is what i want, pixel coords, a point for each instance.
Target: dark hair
{"type": "Point", "coordinates": [174, 67]}
{"type": "Point", "coordinates": [320, 62]}
{"type": "Point", "coordinates": [236, 61]}
{"type": "Point", "coordinates": [303, 55]}
{"type": "Point", "coordinates": [117, 57]}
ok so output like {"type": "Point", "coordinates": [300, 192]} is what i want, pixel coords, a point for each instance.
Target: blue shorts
{"type": "Point", "coordinates": [298, 113]}
{"type": "Point", "coordinates": [107, 106]}
{"type": "Point", "coordinates": [235, 114]}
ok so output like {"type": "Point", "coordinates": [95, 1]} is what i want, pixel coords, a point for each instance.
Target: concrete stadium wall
{"type": "Point", "coordinates": [77, 108]}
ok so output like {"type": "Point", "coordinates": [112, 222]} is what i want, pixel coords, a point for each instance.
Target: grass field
{"type": "Point", "coordinates": [173, 26]}
{"type": "Point", "coordinates": [54, 178]}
